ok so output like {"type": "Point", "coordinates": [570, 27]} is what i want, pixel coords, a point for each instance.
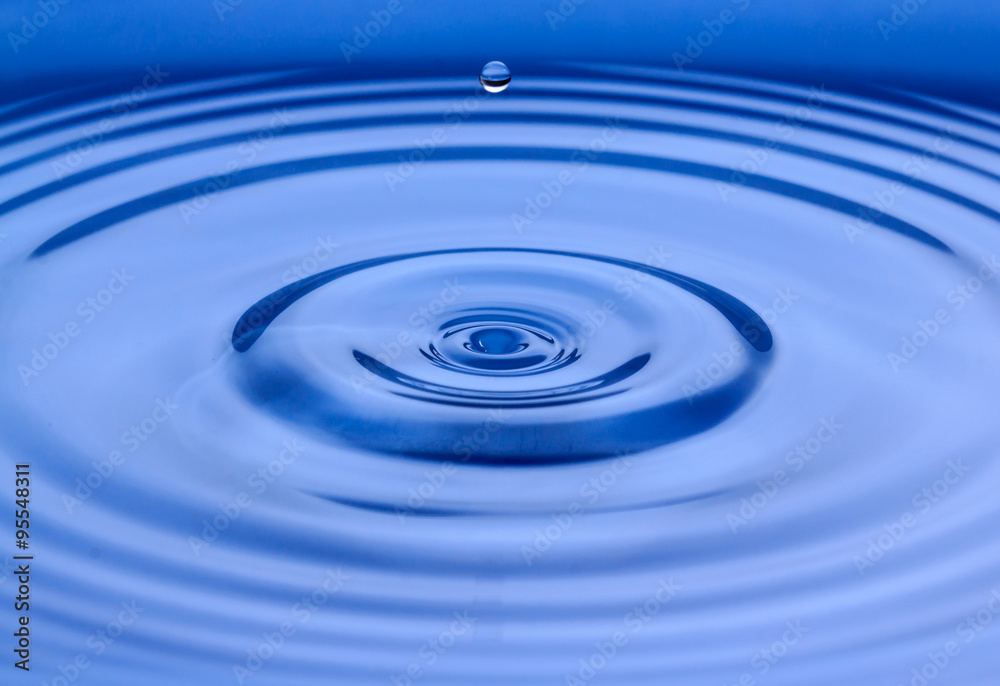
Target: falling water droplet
{"type": "Point", "coordinates": [495, 76]}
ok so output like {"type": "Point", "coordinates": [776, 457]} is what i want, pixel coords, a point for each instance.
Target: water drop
{"type": "Point", "coordinates": [495, 76]}
{"type": "Point", "coordinates": [496, 342]}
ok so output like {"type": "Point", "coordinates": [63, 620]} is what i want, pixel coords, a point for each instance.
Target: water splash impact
{"type": "Point", "coordinates": [624, 351]}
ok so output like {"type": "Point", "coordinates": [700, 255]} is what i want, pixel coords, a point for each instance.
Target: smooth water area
{"type": "Point", "coordinates": [620, 376]}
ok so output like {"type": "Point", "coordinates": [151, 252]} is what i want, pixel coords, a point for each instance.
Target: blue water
{"type": "Point", "coordinates": [621, 376]}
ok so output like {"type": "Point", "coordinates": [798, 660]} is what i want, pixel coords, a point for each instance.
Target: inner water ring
{"type": "Point", "coordinates": [498, 342]}
{"type": "Point", "coordinates": [252, 324]}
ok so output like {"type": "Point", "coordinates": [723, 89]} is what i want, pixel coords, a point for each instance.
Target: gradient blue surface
{"type": "Point", "coordinates": [948, 47]}
{"type": "Point", "coordinates": [333, 368]}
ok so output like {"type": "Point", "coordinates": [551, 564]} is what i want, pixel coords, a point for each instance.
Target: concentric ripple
{"type": "Point", "coordinates": [706, 362]}
{"type": "Point", "coordinates": [611, 343]}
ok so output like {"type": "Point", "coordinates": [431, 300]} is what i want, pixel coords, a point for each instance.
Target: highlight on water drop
{"type": "Point", "coordinates": [495, 76]}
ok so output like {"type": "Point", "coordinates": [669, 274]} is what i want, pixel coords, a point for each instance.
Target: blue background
{"type": "Point", "coordinates": [949, 47]}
